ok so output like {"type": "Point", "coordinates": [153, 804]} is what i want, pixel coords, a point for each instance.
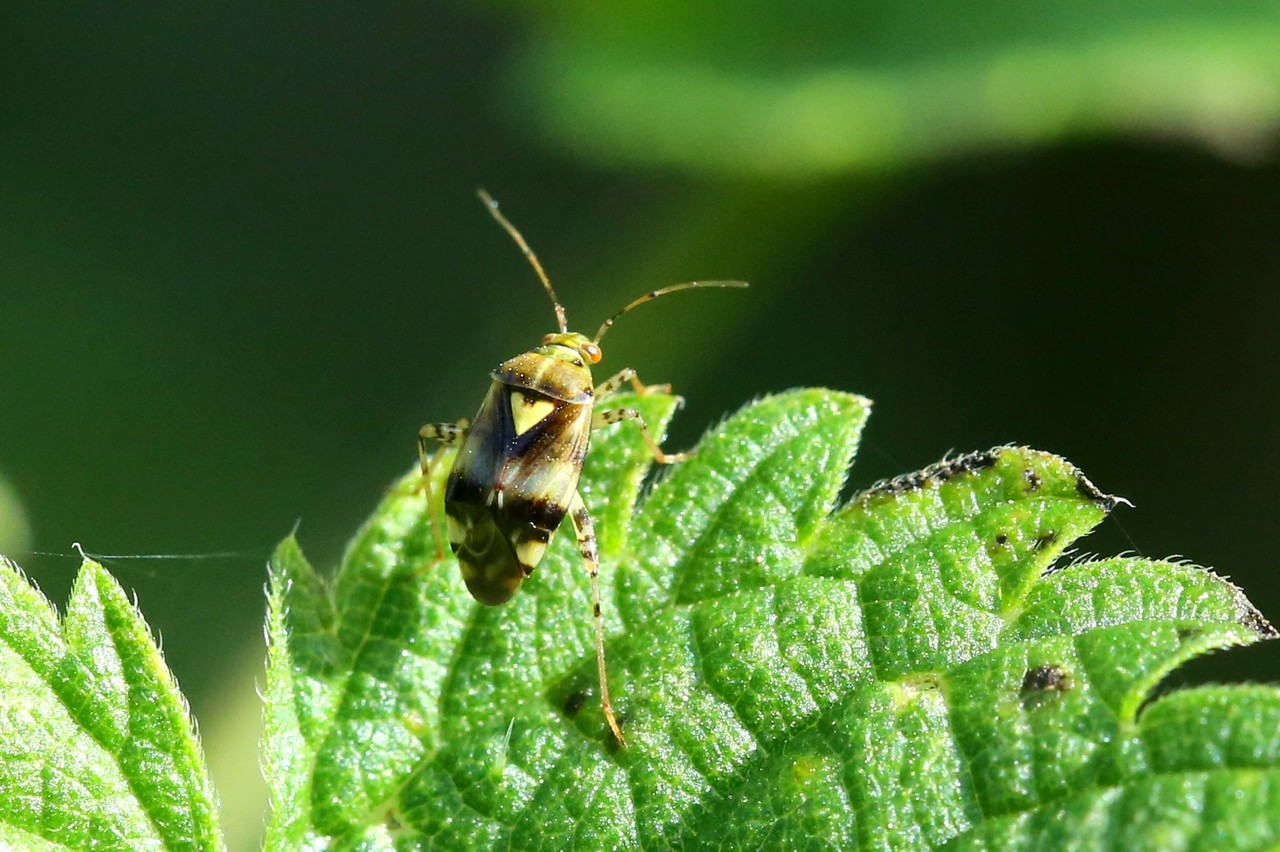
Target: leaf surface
{"type": "Point", "coordinates": [916, 667]}
{"type": "Point", "coordinates": [97, 750]}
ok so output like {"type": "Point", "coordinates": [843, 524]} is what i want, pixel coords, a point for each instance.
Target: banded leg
{"type": "Point", "coordinates": [447, 435]}
{"type": "Point", "coordinates": [611, 385]}
{"type": "Point", "coordinates": [589, 550]}
{"type": "Point", "coordinates": [617, 415]}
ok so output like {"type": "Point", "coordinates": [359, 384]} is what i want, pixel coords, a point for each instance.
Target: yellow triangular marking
{"type": "Point", "coordinates": [527, 413]}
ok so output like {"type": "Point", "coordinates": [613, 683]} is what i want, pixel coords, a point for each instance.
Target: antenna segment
{"type": "Point", "coordinates": [653, 294]}
{"type": "Point", "coordinates": [492, 207]}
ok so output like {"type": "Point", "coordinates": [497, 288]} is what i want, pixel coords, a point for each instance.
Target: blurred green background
{"type": "Point", "coordinates": [241, 261]}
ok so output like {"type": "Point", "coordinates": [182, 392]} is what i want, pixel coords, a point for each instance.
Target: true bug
{"type": "Point", "coordinates": [515, 476]}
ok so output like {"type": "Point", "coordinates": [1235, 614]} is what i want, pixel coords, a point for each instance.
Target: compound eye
{"type": "Point", "coordinates": [592, 353]}
{"type": "Point", "coordinates": [547, 338]}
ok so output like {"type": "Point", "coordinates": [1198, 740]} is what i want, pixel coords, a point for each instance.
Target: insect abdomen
{"type": "Point", "coordinates": [495, 557]}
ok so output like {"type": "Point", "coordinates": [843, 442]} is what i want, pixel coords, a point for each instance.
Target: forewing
{"type": "Point", "coordinates": [539, 474]}
{"type": "Point", "coordinates": [484, 451]}
{"type": "Point", "coordinates": [511, 485]}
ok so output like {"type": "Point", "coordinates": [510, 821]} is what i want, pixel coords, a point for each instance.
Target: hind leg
{"type": "Point", "coordinates": [589, 550]}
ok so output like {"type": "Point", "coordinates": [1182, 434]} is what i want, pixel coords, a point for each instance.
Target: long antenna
{"type": "Point", "coordinates": [492, 207]}
{"type": "Point", "coordinates": [653, 294]}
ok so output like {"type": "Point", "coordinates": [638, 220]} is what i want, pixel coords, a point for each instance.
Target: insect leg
{"type": "Point", "coordinates": [589, 550]}
{"type": "Point", "coordinates": [611, 385]}
{"type": "Point", "coordinates": [446, 434]}
{"type": "Point", "coordinates": [617, 415]}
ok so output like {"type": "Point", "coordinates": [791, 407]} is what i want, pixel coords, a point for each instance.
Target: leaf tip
{"type": "Point", "coordinates": [286, 559]}
{"type": "Point", "coordinates": [1249, 616]}
{"type": "Point", "coordinates": [1106, 502]}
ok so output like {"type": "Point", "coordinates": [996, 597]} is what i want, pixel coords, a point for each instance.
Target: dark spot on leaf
{"type": "Point", "coordinates": [392, 821]}
{"type": "Point", "coordinates": [1002, 539]}
{"type": "Point", "coordinates": [1032, 479]}
{"type": "Point", "coordinates": [1044, 680]}
{"type": "Point", "coordinates": [573, 702]}
{"type": "Point", "coordinates": [1187, 633]}
{"type": "Point", "coordinates": [923, 681]}
{"type": "Point", "coordinates": [933, 474]}
{"type": "Point", "coordinates": [1044, 540]}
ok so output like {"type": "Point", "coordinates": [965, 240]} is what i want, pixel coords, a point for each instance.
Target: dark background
{"type": "Point", "coordinates": [241, 261]}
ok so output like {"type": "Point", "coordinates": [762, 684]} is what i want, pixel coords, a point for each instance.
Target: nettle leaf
{"type": "Point", "coordinates": [914, 668]}
{"type": "Point", "coordinates": [97, 750]}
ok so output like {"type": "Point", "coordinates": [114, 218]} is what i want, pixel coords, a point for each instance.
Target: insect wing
{"type": "Point", "coordinates": [483, 451]}
{"type": "Point", "coordinates": [511, 485]}
{"type": "Point", "coordinates": [541, 471]}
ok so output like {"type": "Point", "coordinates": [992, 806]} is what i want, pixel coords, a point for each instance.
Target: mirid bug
{"type": "Point", "coordinates": [515, 476]}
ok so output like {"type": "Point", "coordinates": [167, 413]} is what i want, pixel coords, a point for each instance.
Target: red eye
{"type": "Point", "coordinates": [546, 338]}
{"type": "Point", "coordinates": [592, 352]}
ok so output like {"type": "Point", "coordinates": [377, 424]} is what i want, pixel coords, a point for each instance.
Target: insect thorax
{"type": "Point", "coordinates": [554, 369]}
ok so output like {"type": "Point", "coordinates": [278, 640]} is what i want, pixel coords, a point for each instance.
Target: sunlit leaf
{"type": "Point", "coordinates": [97, 750]}
{"type": "Point", "coordinates": [915, 668]}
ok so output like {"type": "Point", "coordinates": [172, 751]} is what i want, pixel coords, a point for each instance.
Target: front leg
{"type": "Point", "coordinates": [610, 386]}
{"type": "Point", "coordinates": [589, 550]}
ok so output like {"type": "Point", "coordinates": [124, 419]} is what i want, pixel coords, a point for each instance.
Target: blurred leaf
{"type": "Point", "coordinates": [899, 672]}
{"type": "Point", "coordinates": [15, 533]}
{"type": "Point", "coordinates": [761, 88]}
{"type": "Point", "coordinates": [96, 748]}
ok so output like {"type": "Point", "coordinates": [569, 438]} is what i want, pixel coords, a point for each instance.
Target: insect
{"type": "Point", "coordinates": [515, 475]}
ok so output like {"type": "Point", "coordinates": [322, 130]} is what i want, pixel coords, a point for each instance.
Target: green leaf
{"type": "Point", "coordinates": [96, 747]}
{"type": "Point", "coordinates": [830, 86]}
{"type": "Point", "coordinates": [15, 532]}
{"type": "Point", "coordinates": [918, 667]}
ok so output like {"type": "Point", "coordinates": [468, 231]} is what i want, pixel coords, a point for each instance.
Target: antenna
{"type": "Point", "coordinates": [492, 207]}
{"type": "Point", "coordinates": [653, 294]}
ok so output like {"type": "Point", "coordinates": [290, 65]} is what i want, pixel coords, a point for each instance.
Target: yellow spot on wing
{"type": "Point", "coordinates": [527, 413]}
{"type": "Point", "coordinates": [529, 552]}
